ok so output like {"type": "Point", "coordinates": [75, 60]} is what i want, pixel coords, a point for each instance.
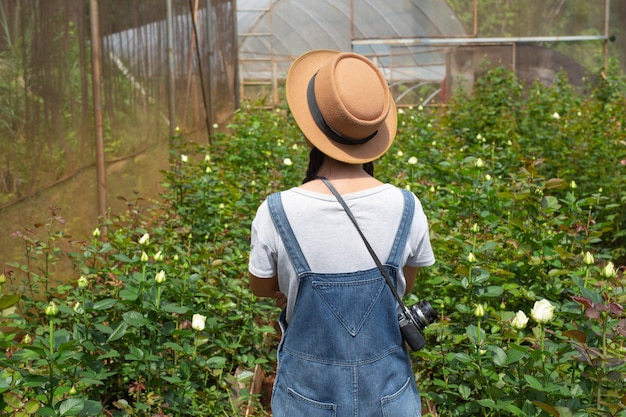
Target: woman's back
{"type": "Point", "coordinates": [330, 241]}
{"type": "Point", "coordinates": [340, 336]}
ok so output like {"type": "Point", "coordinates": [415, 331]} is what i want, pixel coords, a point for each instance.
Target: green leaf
{"type": "Point", "coordinates": [37, 349]}
{"type": "Point", "coordinates": [135, 318]}
{"type": "Point", "coordinates": [547, 407]}
{"type": "Point", "coordinates": [463, 357]}
{"type": "Point", "coordinates": [104, 329]}
{"type": "Point", "coordinates": [172, 379]}
{"type": "Point", "coordinates": [122, 257]}
{"type": "Point", "coordinates": [465, 391]}
{"type": "Point", "coordinates": [174, 346]}
{"type": "Point", "coordinates": [185, 370]}
{"type": "Point", "coordinates": [109, 354]}
{"type": "Point", "coordinates": [47, 411]}
{"type": "Point", "coordinates": [72, 346]}
{"type": "Point", "coordinates": [71, 406]}
{"type": "Point", "coordinates": [34, 380]}
{"type": "Point", "coordinates": [475, 334]}
{"type": "Point", "coordinates": [91, 408]}
{"type": "Point", "coordinates": [515, 410]}
{"type": "Point", "coordinates": [515, 354]}
{"type": "Point", "coordinates": [7, 301]}
{"type": "Point", "coordinates": [556, 184]}
{"type": "Point", "coordinates": [129, 293]}
{"type": "Point", "coordinates": [267, 329]}
{"type": "Point", "coordinates": [90, 381]}
{"type": "Point", "coordinates": [216, 362]}
{"type": "Point", "coordinates": [119, 332]}
{"type": "Point", "coordinates": [499, 356]}
{"type": "Point", "coordinates": [13, 400]}
{"type": "Point", "coordinates": [104, 304]}
{"type": "Point", "coordinates": [173, 308]}
{"type": "Point", "coordinates": [534, 383]}
{"type": "Point", "coordinates": [135, 354]}
{"type": "Point", "coordinates": [493, 291]}
{"type": "Point", "coordinates": [32, 406]}
{"type": "Point", "coordinates": [489, 403]}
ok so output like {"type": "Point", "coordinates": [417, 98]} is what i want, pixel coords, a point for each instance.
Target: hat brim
{"type": "Point", "coordinates": [298, 77]}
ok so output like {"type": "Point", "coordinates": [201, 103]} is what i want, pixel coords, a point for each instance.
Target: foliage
{"type": "Point", "coordinates": [122, 342]}
{"type": "Point", "coordinates": [519, 183]}
{"type": "Point", "coordinates": [522, 186]}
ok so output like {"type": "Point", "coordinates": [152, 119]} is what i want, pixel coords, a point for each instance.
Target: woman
{"type": "Point", "coordinates": [341, 352]}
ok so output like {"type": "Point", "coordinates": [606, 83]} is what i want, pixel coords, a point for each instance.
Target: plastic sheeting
{"type": "Point", "coordinates": [274, 32]}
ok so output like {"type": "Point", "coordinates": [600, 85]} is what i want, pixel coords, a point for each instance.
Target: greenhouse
{"type": "Point", "coordinates": [142, 139]}
{"type": "Point", "coordinates": [424, 46]}
{"type": "Point", "coordinates": [273, 33]}
{"type": "Point", "coordinates": [425, 49]}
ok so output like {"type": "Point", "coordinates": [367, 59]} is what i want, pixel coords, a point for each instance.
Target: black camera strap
{"type": "Point", "coordinates": [380, 266]}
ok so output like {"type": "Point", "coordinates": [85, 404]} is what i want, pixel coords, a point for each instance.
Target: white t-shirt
{"type": "Point", "coordinates": [329, 240]}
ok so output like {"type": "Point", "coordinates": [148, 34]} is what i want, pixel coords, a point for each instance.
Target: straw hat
{"type": "Point", "coordinates": [342, 104]}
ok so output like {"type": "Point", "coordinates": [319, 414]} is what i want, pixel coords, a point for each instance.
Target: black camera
{"type": "Point", "coordinates": [413, 321]}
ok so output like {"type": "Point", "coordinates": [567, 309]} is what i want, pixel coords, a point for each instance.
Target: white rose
{"type": "Point", "coordinates": [609, 270]}
{"type": "Point", "coordinates": [588, 259]}
{"type": "Point", "coordinates": [542, 312]}
{"type": "Point", "coordinates": [197, 322]}
{"type": "Point", "coordinates": [143, 240]}
{"type": "Point", "coordinates": [160, 277]}
{"type": "Point", "coordinates": [519, 321]}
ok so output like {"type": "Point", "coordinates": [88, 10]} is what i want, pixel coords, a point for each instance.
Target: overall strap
{"type": "Point", "coordinates": [279, 217]}
{"type": "Point", "coordinates": [397, 250]}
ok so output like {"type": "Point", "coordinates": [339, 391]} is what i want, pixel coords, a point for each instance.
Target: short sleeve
{"type": "Point", "coordinates": [262, 261]}
{"type": "Point", "coordinates": [420, 249]}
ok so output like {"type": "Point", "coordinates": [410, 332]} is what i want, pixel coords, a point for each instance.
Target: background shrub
{"type": "Point", "coordinates": [523, 188]}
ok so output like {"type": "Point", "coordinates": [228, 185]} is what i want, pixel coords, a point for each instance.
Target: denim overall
{"type": "Point", "coordinates": [342, 354]}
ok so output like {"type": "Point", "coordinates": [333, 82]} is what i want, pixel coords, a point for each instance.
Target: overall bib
{"type": "Point", "coordinates": [342, 354]}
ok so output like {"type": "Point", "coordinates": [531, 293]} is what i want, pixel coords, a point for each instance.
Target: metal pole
{"type": "Point", "coordinates": [170, 69]}
{"type": "Point", "coordinates": [607, 18]}
{"type": "Point", "coordinates": [207, 111]}
{"type": "Point", "coordinates": [97, 110]}
{"type": "Point", "coordinates": [352, 24]}
{"type": "Point", "coordinates": [210, 49]}
{"type": "Point", "coordinates": [475, 41]}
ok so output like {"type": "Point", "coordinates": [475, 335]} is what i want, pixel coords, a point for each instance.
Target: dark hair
{"type": "Point", "coordinates": [316, 158]}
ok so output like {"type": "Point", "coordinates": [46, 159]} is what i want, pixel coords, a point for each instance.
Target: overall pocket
{"type": "Point", "coordinates": [404, 403]}
{"type": "Point", "coordinates": [299, 405]}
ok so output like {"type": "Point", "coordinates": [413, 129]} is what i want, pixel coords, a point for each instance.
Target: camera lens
{"type": "Point", "coordinates": [424, 314]}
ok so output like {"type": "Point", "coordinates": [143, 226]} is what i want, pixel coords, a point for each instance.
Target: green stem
{"type": "Point", "coordinates": [604, 351]}
{"type": "Point", "coordinates": [195, 348]}
{"type": "Point", "coordinates": [158, 300]}
{"type": "Point", "coordinates": [50, 359]}
{"type": "Point", "coordinates": [51, 331]}
{"type": "Point", "coordinates": [143, 279]}
{"type": "Point", "coordinates": [85, 321]}
{"type": "Point", "coordinates": [443, 356]}
{"type": "Point", "coordinates": [543, 361]}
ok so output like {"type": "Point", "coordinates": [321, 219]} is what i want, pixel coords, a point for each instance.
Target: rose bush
{"type": "Point", "coordinates": [528, 282]}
